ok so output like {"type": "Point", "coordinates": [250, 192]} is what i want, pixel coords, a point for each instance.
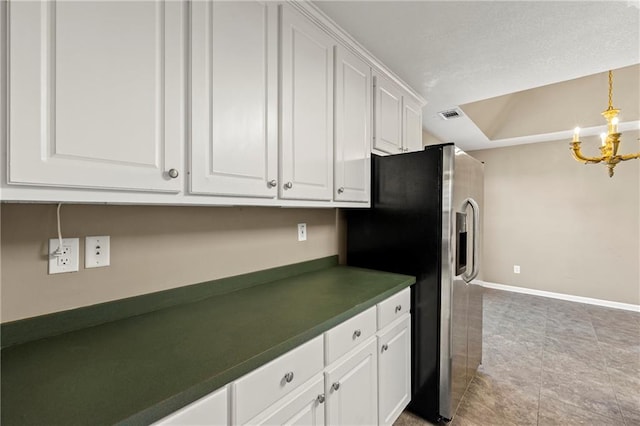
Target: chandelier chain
{"type": "Point", "coordinates": [610, 89]}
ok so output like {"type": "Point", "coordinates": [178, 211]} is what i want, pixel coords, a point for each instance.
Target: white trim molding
{"type": "Point", "coordinates": [562, 296]}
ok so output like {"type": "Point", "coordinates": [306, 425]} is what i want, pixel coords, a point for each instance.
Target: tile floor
{"type": "Point", "coordinates": [552, 362]}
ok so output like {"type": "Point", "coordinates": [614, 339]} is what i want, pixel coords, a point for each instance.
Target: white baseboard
{"type": "Point", "coordinates": [562, 296]}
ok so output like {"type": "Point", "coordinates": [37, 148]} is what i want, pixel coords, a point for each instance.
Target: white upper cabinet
{"type": "Point", "coordinates": [96, 94]}
{"type": "Point", "coordinates": [306, 132]}
{"type": "Point", "coordinates": [388, 116]}
{"type": "Point", "coordinates": [234, 98]}
{"type": "Point", "coordinates": [397, 117]}
{"type": "Point", "coordinates": [412, 124]}
{"type": "Point", "coordinates": [353, 112]}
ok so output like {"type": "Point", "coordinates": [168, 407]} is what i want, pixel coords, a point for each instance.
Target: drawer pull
{"type": "Point", "coordinates": [385, 347]}
{"type": "Point", "coordinates": [398, 308]}
{"type": "Point", "coordinates": [288, 377]}
{"type": "Point", "coordinates": [288, 185]}
{"type": "Point", "coordinates": [357, 334]}
{"type": "Point", "coordinates": [335, 386]}
{"type": "Point", "coordinates": [272, 183]}
{"type": "Point", "coordinates": [320, 398]}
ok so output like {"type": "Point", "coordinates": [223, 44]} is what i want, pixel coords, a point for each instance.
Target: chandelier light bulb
{"type": "Point", "coordinates": [576, 134]}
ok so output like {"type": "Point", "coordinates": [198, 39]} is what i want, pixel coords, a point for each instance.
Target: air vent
{"type": "Point", "coordinates": [450, 114]}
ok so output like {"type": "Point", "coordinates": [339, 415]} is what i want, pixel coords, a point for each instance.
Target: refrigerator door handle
{"type": "Point", "coordinates": [475, 249]}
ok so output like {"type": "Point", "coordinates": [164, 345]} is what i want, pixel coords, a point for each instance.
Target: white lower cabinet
{"type": "Point", "coordinates": [210, 410]}
{"type": "Point", "coordinates": [350, 375]}
{"type": "Point", "coordinates": [351, 388]}
{"type": "Point", "coordinates": [394, 370]}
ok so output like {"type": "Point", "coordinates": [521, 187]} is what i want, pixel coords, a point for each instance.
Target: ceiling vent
{"type": "Point", "coordinates": [450, 114]}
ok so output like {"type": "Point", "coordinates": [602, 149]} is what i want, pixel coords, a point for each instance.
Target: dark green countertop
{"type": "Point", "coordinates": [139, 369]}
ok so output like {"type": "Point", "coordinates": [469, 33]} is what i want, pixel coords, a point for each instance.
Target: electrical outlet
{"type": "Point", "coordinates": [302, 232]}
{"type": "Point", "coordinates": [516, 269]}
{"type": "Point", "coordinates": [97, 251]}
{"type": "Point", "coordinates": [67, 260]}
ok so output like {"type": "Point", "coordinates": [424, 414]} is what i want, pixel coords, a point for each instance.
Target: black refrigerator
{"type": "Point", "coordinates": [424, 221]}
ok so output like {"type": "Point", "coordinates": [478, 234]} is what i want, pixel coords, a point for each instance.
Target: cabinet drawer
{"type": "Point", "coordinates": [259, 389]}
{"type": "Point", "coordinates": [346, 336]}
{"type": "Point", "coordinates": [393, 308]}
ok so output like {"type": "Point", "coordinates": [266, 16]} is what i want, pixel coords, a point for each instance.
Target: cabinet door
{"type": "Point", "coordinates": [387, 116]}
{"type": "Point", "coordinates": [306, 155]}
{"type": "Point", "coordinates": [234, 98]}
{"type": "Point", "coordinates": [305, 407]}
{"type": "Point", "coordinates": [210, 410]}
{"type": "Point", "coordinates": [353, 128]}
{"type": "Point", "coordinates": [394, 371]}
{"type": "Point", "coordinates": [351, 389]}
{"type": "Point", "coordinates": [412, 125]}
{"type": "Point", "coordinates": [96, 94]}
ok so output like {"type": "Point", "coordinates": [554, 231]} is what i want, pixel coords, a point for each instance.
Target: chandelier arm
{"type": "Point", "coordinates": [626, 157]}
{"type": "Point", "coordinates": [577, 154]}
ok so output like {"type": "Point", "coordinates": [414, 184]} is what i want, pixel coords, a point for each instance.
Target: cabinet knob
{"type": "Point", "coordinates": [288, 185]}
{"type": "Point", "coordinates": [398, 308]}
{"type": "Point", "coordinates": [385, 347]}
{"type": "Point", "coordinates": [320, 398]}
{"type": "Point", "coordinates": [340, 190]}
{"type": "Point", "coordinates": [406, 150]}
{"type": "Point", "coordinates": [335, 386]}
{"type": "Point", "coordinates": [272, 183]}
{"type": "Point", "coordinates": [400, 149]}
{"type": "Point", "coordinates": [357, 334]}
{"type": "Point", "coordinates": [288, 377]}
{"type": "Point", "coordinates": [173, 173]}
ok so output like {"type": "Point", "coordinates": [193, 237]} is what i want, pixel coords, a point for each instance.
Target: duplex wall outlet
{"type": "Point", "coordinates": [516, 269]}
{"type": "Point", "coordinates": [302, 232]}
{"type": "Point", "coordinates": [65, 260]}
{"type": "Point", "coordinates": [97, 252]}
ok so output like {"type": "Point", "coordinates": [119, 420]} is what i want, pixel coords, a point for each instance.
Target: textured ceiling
{"type": "Point", "coordinates": [455, 53]}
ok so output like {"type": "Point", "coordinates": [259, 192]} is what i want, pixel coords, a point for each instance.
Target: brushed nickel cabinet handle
{"type": "Point", "coordinates": [320, 398]}
{"type": "Point", "coordinates": [288, 377]}
{"type": "Point", "coordinates": [357, 334]}
{"type": "Point", "coordinates": [398, 308]}
{"type": "Point", "coordinates": [288, 185]}
{"type": "Point", "coordinates": [385, 347]}
{"type": "Point", "coordinates": [173, 173]}
{"type": "Point", "coordinates": [340, 190]}
{"type": "Point", "coordinates": [335, 386]}
{"type": "Point", "coordinates": [272, 183]}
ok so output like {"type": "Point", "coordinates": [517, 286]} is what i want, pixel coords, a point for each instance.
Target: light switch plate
{"type": "Point", "coordinates": [67, 261]}
{"type": "Point", "coordinates": [516, 269]}
{"type": "Point", "coordinates": [302, 232]}
{"type": "Point", "coordinates": [97, 251]}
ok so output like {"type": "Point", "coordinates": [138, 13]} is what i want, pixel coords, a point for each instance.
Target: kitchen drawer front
{"type": "Point", "coordinates": [259, 389]}
{"type": "Point", "coordinates": [346, 336]}
{"type": "Point", "coordinates": [393, 308]}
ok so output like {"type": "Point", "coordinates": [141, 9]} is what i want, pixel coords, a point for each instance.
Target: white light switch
{"type": "Point", "coordinates": [97, 252]}
{"type": "Point", "coordinates": [302, 232]}
{"type": "Point", "coordinates": [516, 269]}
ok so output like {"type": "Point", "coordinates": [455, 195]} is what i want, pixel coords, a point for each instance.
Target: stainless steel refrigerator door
{"type": "Point", "coordinates": [461, 302]}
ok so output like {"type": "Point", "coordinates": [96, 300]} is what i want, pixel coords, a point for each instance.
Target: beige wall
{"type": "Point", "coordinates": [570, 227]}
{"type": "Point", "coordinates": [429, 139]}
{"type": "Point", "coordinates": [152, 249]}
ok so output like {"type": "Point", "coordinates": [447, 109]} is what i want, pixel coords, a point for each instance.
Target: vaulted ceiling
{"type": "Point", "coordinates": [521, 71]}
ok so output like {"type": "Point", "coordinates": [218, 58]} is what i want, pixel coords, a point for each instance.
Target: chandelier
{"type": "Point", "coordinates": [610, 140]}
